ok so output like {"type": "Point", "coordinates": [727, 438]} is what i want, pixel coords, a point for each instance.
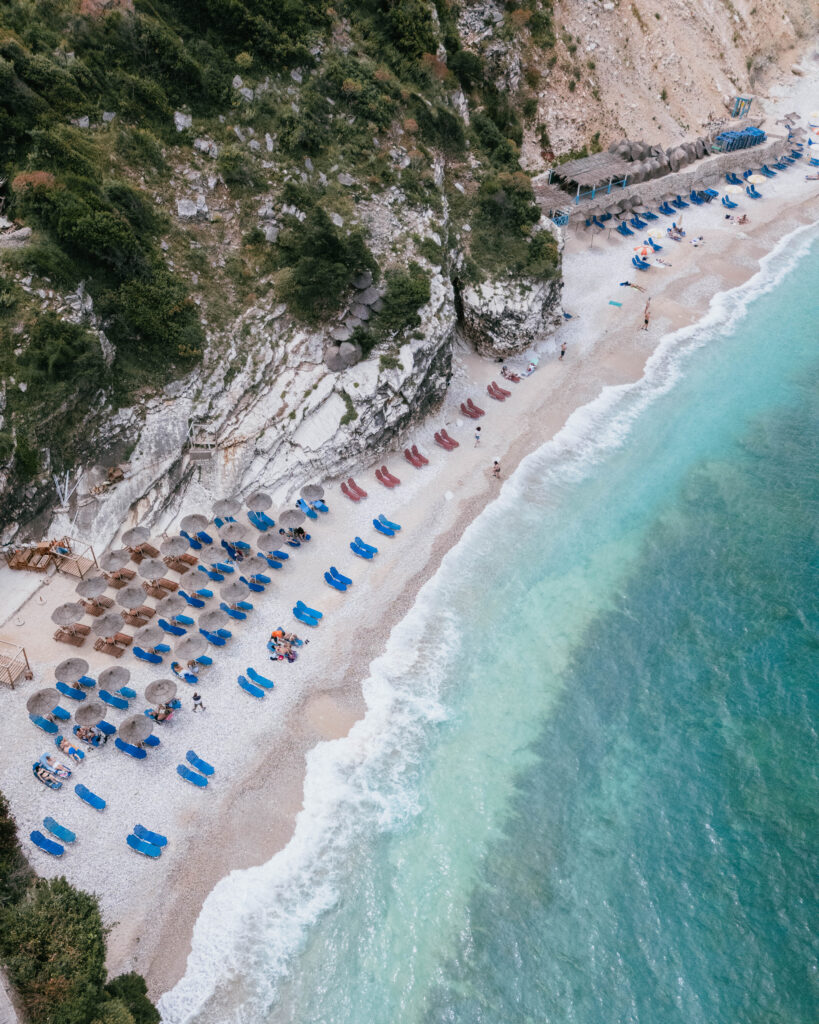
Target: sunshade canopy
{"type": "Point", "coordinates": [67, 614]}
{"type": "Point", "coordinates": [70, 670]}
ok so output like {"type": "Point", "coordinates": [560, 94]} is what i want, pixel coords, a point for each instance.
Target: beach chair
{"type": "Point", "coordinates": [169, 628]}
{"type": "Point", "coordinates": [215, 577]}
{"type": "Point", "coordinates": [232, 612]}
{"type": "Point", "coordinates": [45, 844]}
{"type": "Point", "coordinates": [361, 552]}
{"type": "Point", "coordinates": [248, 687]}
{"type": "Point", "coordinates": [680, 203]}
{"type": "Point", "coordinates": [340, 577]}
{"type": "Point", "coordinates": [44, 723]}
{"type": "Point", "coordinates": [113, 701]}
{"type": "Point", "coordinates": [65, 835]}
{"type": "Point", "coordinates": [381, 528]}
{"type": "Point", "coordinates": [201, 766]}
{"type": "Point", "coordinates": [147, 836]}
{"type": "Point", "coordinates": [193, 542]}
{"type": "Point", "coordinates": [212, 638]}
{"type": "Point", "coordinates": [639, 264]}
{"type": "Point", "coordinates": [422, 458]}
{"type": "Point", "coordinates": [623, 229]}
{"type": "Point", "coordinates": [204, 538]}
{"type": "Point", "coordinates": [363, 544]}
{"type": "Point", "coordinates": [308, 510]}
{"type": "Point", "coordinates": [257, 588]}
{"type": "Point", "coordinates": [106, 728]}
{"type": "Point", "coordinates": [259, 577]}
{"type": "Point", "coordinates": [654, 245]}
{"type": "Point", "coordinates": [272, 562]}
{"type": "Point", "coordinates": [61, 714]}
{"type": "Point", "coordinates": [94, 742]}
{"type": "Point", "coordinates": [126, 692]}
{"type": "Point", "coordinates": [223, 567]}
{"type": "Point", "coordinates": [334, 583]}
{"type": "Point", "coordinates": [391, 526]}
{"type": "Point", "coordinates": [73, 693]}
{"type": "Point", "coordinates": [85, 794]}
{"type": "Point", "coordinates": [87, 682]}
{"type": "Point", "coordinates": [141, 846]}
{"type": "Point", "coordinates": [182, 620]}
{"type": "Point", "coordinates": [752, 193]}
{"type": "Point", "coordinates": [345, 490]}
{"type": "Point", "coordinates": [695, 199]}
{"type": "Point", "coordinates": [765, 169]}
{"type": "Point", "coordinates": [51, 782]}
{"type": "Point", "coordinates": [257, 521]}
{"type": "Point", "coordinates": [726, 202]}
{"type": "Point", "coordinates": [379, 476]}
{"type": "Point", "coordinates": [648, 215]}
{"type": "Point", "coordinates": [128, 748]}
{"type": "Point", "coordinates": [309, 610]}
{"type": "Point", "coordinates": [302, 616]}
{"type": "Point", "coordinates": [319, 505]}
{"type": "Point", "coordinates": [412, 460]}
{"type": "Point", "coordinates": [194, 778]}
{"type": "Point", "coordinates": [637, 223]}
{"type": "Point", "coordinates": [152, 741]}
{"type": "Point", "coordinates": [150, 657]}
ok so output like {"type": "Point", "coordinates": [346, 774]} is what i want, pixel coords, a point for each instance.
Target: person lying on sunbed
{"type": "Point", "coordinates": [507, 373]}
{"type": "Point", "coordinates": [87, 733]}
{"type": "Point", "coordinates": [58, 769]}
{"type": "Point", "coordinates": [43, 774]}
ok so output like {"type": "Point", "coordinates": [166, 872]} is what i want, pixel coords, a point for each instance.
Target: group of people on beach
{"type": "Point", "coordinates": [283, 645]}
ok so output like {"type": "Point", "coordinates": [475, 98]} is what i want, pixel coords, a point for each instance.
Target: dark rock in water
{"type": "Point", "coordinates": [350, 354]}
{"type": "Point", "coordinates": [333, 360]}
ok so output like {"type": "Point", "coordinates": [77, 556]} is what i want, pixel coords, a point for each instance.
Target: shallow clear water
{"type": "Point", "coordinates": [587, 788]}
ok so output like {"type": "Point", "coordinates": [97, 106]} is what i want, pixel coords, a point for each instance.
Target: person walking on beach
{"type": "Point", "coordinates": [646, 316]}
{"type": "Point", "coordinates": [563, 350]}
{"type": "Point", "coordinates": [197, 703]}
{"type": "Point", "coordinates": [496, 469]}
{"type": "Point", "coordinates": [477, 436]}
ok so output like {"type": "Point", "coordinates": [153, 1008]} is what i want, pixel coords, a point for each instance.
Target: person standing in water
{"type": "Point", "coordinates": [563, 350]}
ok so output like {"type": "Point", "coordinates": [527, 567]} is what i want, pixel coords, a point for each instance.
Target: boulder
{"type": "Point", "coordinates": [368, 296]}
{"type": "Point", "coordinates": [623, 149]}
{"type": "Point", "coordinates": [363, 280]}
{"type": "Point", "coordinates": [360, 311]}
{"type": "Point", "coordinates": [699, 147]}
{"type": "Point", "coordinates": [186, 209]}
{"type": "Point", "coordinates": [346, 179]}
{"type": "Point", "coordinates": [182, 121]}
{"type": "Point", "coordinates": [340, 333]}
{"type": "Point", "coordinates": [333, 360]}
{"type": "Point", "coordinates": [350, 354]}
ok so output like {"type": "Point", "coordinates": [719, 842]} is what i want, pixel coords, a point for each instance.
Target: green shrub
{"type": "Point", "coordinates": [14, 868]}
{"type": "Point", "coordinates": [411, 27]}
{"type": "Point", "coordinates": [236, 166]}
{"type": "Point", "coordinates": [467, 67]}
{"type": "Point", "coordinates": [139, 147]}
{"type": "Point", "coordinates": [322, 263]}
{"type": "Point", "coordinates": [131, 990]}
{"type": "Point", "coordinates": [113, 1012]}
{"type": "Point", "coordinates": [407, 291]}
{"type": "Point", "coordinates": [62, 352]}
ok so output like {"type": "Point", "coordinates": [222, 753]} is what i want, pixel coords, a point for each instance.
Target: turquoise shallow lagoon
{"type": "Point", "coordinates": [587, 788]}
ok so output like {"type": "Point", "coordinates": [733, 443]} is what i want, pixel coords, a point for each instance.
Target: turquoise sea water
{"type": "Point", "coordinates": [587, 788]}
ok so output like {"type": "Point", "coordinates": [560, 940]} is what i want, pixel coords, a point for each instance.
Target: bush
{"type": "Point", "coordinates": [407, 291]}
{"type": "Point", "coordinates": [467, 67]}
{"type": "Point", "coordinates": [322, 263]}
{"type": "Point", "coordinates": [131, 990]}
{"type": "Point", "coordinates": [411, 27]}
{"type": "Point", "coordinates": [62, 352]}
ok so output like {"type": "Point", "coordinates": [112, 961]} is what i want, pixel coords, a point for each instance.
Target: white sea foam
{"type": "Point", "coordinates": [255, 921]}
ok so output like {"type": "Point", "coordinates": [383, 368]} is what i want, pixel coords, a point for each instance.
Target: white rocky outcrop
{"type": "Point", "coordinates": [504, 317]}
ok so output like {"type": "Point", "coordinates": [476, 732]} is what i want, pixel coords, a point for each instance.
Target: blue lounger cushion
{"type": "Point", "coordinates": [140, 846]}
{"type": "Point", "coordinates": [151, 741]}
{"type": "Point", "coordinates": [113, 700]}
{"type": "Point", "coordinates": [272, 562]}
{"type": "Point", "coordinates": [283, 555]}
{"type": "Point", "coordinates": [224, 567]}
{"type": "Point", "coordinates": [46, 845]}
{"type": "Point", "coordinates": [70, 691]}
{"type": "Point", "coordinates": [87, 681]}
{"type": "Point", "coordinates": [257, 588]}
{"type": "Point", "coordinates": [194, 602]}
{"type": "Point", "coordinates": [212, 638]}
{"type": "Point", "coordinates": [107, 728]}
{"type": "Point", "coordinates": [260, 679]}
{"type": "Point", "coordinates": [95, 742]}
{"type": "Point", "coordinates": [388, 524]}
{"type": "Point", "coordinates": [148, 656]}
{"type": "Point", "coordinates": [44, 724]}
{"type": "Point", "coordinates": [310, 611]}
{"type": "Point", "coordinates": [334, 583]}
{"type": "Point", "coordinates": [381, 528]}
{"type": "Point", "coordinates": [203, 659]}
{"type": "Point", "coordinates": [65, 835]}
{"type": "Point", "coordinates": [199, 764]}
{"type": "Point", "coordinates": [361, 552]}
{"type": "Point", "coordinates": [193, 542]}
{"type": "Point", "coordinates": [190, 776]}
{"type": "Point", "coordinates": [61, 713]}
{"type": "Point", "coordinates": [232, 611]}
{"type": "Point", "coordinates": [204, 537]}
{"type": "Point", "coordinates": [84, 793]}
{"type": "Point", "coordinates": [128, 748]}
{"type": "Point", "coordinates": [368, 547]}
{"type": "Point", "coordinates": [302, 616]}
{"type": "Point", "coordinates": [340, 576]}
{"type": "Point", "coordinates": [319, 504]}
{"type": "Point", "coordinates": [147, 836]}
{"type": "Point", "coordinates": [173, 630]}
{"type": "Point", "coordinates": [126, 692]}
{"type": "Point", "coordinates": [306, 509]}
{"type": "Point", "coordinates": [249, 687]}
{"type": "Point", "coordinates": [257, 521]}
{"type": "Point", "coordinates": [52, 783]}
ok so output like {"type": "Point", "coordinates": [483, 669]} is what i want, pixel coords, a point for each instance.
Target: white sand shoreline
{"type": "Point", "coordinates": [259, 751]}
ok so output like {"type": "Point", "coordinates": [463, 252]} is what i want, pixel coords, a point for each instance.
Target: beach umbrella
{"type": "Point", "coordinates": [644, 250]}
{"type": "Point", "coordinates": [656, 233]}
{"type": "Point", "coordinates": [43, 701]}
{"type": "Point", "coordinates": [292, 517]}
{"type": "Point", "coordinates": [107, 625]}
{"type": "Point", "coordinates": [173, 547]}
{"type": "Point", "coordinates": [67, 614]}
{"type": "Point", "coordinates": [152, 569]}
{"type": "Point", "coordinates": [734, 190]}
{"type": "Point", "coordinates": [136, 729]}
{"type": "Point", "coordinates": [92, 587]}
{"type": "Point", "coordinates": [115, 560]}
{"type": "Point", "coordinates": [190, 647]}
{"type": "Point", "coordinates": [90, 714]}
{"type": "Point", "coordinates": [114, 677]}
{"type": "Point", "coordinates": [131, 597]}
{"type": "Point", "coordinates": [312, 492]}
{"type": "Point", "coordinates": [70, 670]}
{"type": "Point", "coordinates": [234, 592]}
{"type": "Point", "coordinates": [226, 507]}
{"type": "Point", "coordinates": [233, 531]}
{"type": "Point", "coordinates": [149, 636]}
{"type": "Point", "coordinates": [171, 604]}
{"type": "Point", "coordinates": [193, 523]}
{"type": "Point", "coordinates": [213, 620]}
{"type": "Point", "coordinates": [136, 536]}
{"type": "Point", "coordinates": [160, 691]}
{"type": "Point", "coordinates": [259, 502]}
{"type": "Point", "coordinates": [757, 179]}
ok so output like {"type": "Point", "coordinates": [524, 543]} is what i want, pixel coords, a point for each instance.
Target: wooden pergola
{"type": "Point", "coordinates": [13, 663]}
{"type": "Point", "coordinates": [595, 172]}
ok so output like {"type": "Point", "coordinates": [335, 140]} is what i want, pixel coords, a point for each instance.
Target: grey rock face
{"type": "Point", "coordinates": [182, 121]}
{"type": "Point", "coordinates": [333, 360]}
{"type": "Point", "coordinates": [501, 318]}
{"type": "Point", "coordinates": [350, 354]}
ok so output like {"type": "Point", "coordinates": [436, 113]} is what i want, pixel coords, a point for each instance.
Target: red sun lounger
{"type": "Point", "coordinates": [379, 476]}
{"type": "Point", "coordinates": [469, 412]}
{"type": "Point", "coordinates": [355, 488]}
{"type": "Point", "coordinates": [494, 393]}
{"type": "Point", "coordinates": [345, 490]}
{"type": "Point", "coordinates": [476, 409]}
{"type": "Point", "coordinates": [443, 444]}
{"type": "Point", "coordinates": [421, 458]}
{"type": "Point", "coordinates": [394, 481]}
{"type": "Point", "coordinates": [449, 440]}
{"type": "Point", "coordinates": [411, 459]}
{"type": "Point", "coordinates": [503, 391]}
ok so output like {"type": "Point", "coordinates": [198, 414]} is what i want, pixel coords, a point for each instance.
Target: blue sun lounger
{"type": "Point", "coordinates": [765, 169]}
{"type": "Point", "coordinates": [193, 542]}
{"type": "Point", "coordinates": [258, 577]}
{"type": "Point", "coordinates": [200, 765]}
{"type": "Point", "coordinates": [623, 229]}
{"type": "Point", "coordinates": [232, 612]}
{"type": "Point", "coordinates": [65, 835]}
{"type": "Point", "coordinates": [147, 836]}
{"type": "Point", "coordinates": [260, 679]}
{"type": "Point", "coordinates": [51, 783]}
{"type": "Point", "coordinates": [319, 504]}
{"type": "Point", "coordinates": [334, 583]}
{"type": "Point", "coordinates": [70, 691]}
{"type": "Point", "coordinates": [141, 846]}
{"type": "Point", "coordinates": [271, 561]}
{"type": "Point", "coordinates": [680, 203]}
{"type": "Point", "coordinates": [302, 616]}
{"type": "Point", "coordinates": [257, 588]}
{"type": "Point", "coordinates": [194, 602]}
{"type": "Point", "coordinates": [190, 776]}
{"type": "Point", "coordinates": [212, 638]}
{"type": "Point", "coordinates": [390, 526]}
{"type": "Point", "coordinates": [44, 723]}
{"type": "Point", "coordinates": [61, 713]}
{"type": "Point", "coordinates": [224, 568]}
{"type": "Point", "coordinates": [95, 742]}
{"type": "Point", "coordinates": [149, 656]}
{"type": "Point", "coordinates": [211, 574]}
{"type": "Point", "coordinates": [128, 748]}
{"type": "Point", "coordinates": [182, 620]}
{"type": "Point", "coordinates": [361, 552]}
{"type": "Point", "coordinates": [72, 752]}
{"type": "Point", "coordinates": [367, 547]}
{"type": "Point", "coordinates": [248, 687]}
{"type": "Point", "coordinates": [639, 264]}
{"type": "Point", "coordinates": [45, 844]}
{"type": "Point", "coordinates": [751, 191]}
{"type": "Point", "coordinates": [696, 200]}
{"type": "Point", "coordinates": [84, 793]}
{"type": "Point", "coordinates": [340, 576]}
{"type": "Point", "coordinates": [87, 682]}
{"type": "Point", "coordinates": [113, 701]}
{"type": "Point", "coordinates": [726, 202]}
{"type": "Point", "coordinates": [169, 628]}
{"type": "Point", "coordinates": [382, 529]}
{"type": "Point", "coordinates": [126, 692]}
{"type": "Point", "coordinates": [106, 727]}
{"type": "Point", "coordinates": [152, 741]}
{"type": "Point", "coordinates": [306, 509]}
{"type": "Point", "coordinates": [257, 521]}
{"type": "Point", "coordinates": [310, 611]}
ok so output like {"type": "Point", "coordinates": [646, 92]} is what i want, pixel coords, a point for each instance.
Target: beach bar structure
{"type": "Point", "coordinates": [13, 663]}
{"type": "Point", "coordinates": [592, 175]}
